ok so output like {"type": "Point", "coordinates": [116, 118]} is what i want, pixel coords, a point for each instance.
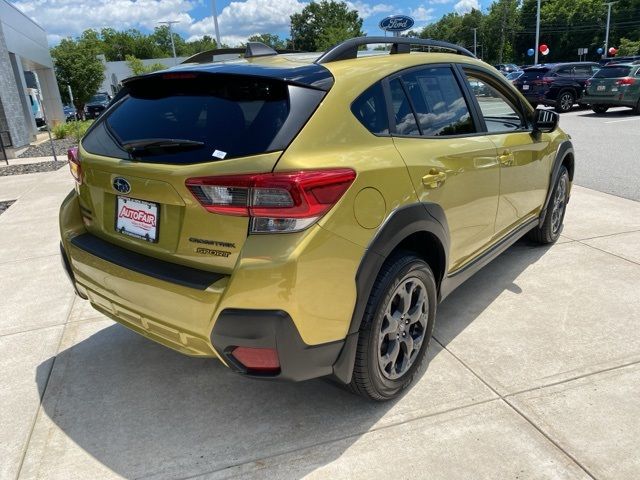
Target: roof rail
{"type": "Point", "coordinates": [349, 48]}
{"type": "Point", "coordinates": [252, 50]}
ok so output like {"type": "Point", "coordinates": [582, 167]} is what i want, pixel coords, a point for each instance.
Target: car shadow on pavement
{"type": "Point", "coordinates": [617, 113]}
{"type": "Point", "coordinates": [143, 410]}
{"type": "Point", "coordinates": [474, 296]}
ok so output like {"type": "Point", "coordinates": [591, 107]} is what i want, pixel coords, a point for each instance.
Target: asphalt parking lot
{"type": "Point", "coordinates": [534, 372]}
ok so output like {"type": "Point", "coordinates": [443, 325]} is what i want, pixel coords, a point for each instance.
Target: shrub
{"type": "Point", "coordinates": [74, 130]}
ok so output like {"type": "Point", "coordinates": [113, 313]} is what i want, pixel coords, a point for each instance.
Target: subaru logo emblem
{"type": "Point", "coordinates": [121, 185]}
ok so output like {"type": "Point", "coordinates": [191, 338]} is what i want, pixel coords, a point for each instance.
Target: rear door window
{"type": "Point", "coordinates": [437, 101]}
{"type": "Point", "coordinates": [534, 73]}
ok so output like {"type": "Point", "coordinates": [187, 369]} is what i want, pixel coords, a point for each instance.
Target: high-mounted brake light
{"type": "Point", "coordinates": [74, 164]}
{"type": "Point", "coordinates": [625, 81]}
{"type": "Point", "coordinates": [276, 202]}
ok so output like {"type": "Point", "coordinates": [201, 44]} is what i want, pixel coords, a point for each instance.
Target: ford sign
{"type": "Point", "coordinates": [396, 23]}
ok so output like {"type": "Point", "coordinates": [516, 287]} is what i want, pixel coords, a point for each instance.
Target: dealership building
{"type": "Point", "coordinates": [26, 71]}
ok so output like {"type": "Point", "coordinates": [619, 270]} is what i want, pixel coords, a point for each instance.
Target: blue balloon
{"type": "Point", "coordinates": [600, 51]}
{"type": "Point", "coordinates": [530, 52]}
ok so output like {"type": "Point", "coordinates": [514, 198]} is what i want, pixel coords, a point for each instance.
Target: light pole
{"type": "Point", "coordinates": [173, 47]}
{"type": "Point", "coordinates": [215, 22]}
{"type": "Point", "coordinates": [475, 44]}
{"type": "Point", "coordinates": [535, 61]}
{"type": "Point", "coordinates": [606, 37]}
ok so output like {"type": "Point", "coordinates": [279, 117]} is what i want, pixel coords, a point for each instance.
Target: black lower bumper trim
{"type": "Point", "coordinates": [273, 329]}
{"type": "Point", "coordinates": [169, 272]}
{"type": "Point", "coordinates": [69, 272]}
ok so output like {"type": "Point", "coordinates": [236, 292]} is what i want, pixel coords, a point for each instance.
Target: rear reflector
{"type": "Point", "coordinates": [74, 164]}
{"type": "Point", "coordinates": [277, 202]}
{"type": "Point", "coordinates": [260, 360]}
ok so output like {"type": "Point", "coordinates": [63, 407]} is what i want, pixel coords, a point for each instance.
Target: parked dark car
{"type": "Point", "coordinates": [558, 85]}
{"type": "Point", "coordinates": [96, 105]}
{"type": "Point", "coordinates": [70, 113]}
{"type": "Point", "coordinates": [615, 85]}
{"type": "Point", "coordinates": [506, 68]}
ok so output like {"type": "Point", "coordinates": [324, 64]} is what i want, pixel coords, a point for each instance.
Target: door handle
{"type": "Point", "coordinates": [434, 178]}
{"type": "Point", "coordinates": [506, 159]}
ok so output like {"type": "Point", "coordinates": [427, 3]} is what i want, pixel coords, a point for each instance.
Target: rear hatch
{"type": "Point", "coordinates": [167, 128]}
{"type": "Point", "coordinates": [608, 80]}
{"type": "Point", "coordinates": [533, 81]}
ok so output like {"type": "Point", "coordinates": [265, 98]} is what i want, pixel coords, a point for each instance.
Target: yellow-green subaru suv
{"type": "Point", "coordinates": [301, 217]}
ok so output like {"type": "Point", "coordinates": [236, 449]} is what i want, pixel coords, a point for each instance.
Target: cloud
{"type": "Point", "coordinates": [422, 14]}
{"type": "Point", "coordinates": [439, 2]}
{"type": "Point", "coordinates": [465, 6]}
{"type": "Point", "coordinates": [63, 18]}
{"type": "Point", "coordinates": [365, 10]}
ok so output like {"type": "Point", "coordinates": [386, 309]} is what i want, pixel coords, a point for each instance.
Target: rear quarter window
{"type": "Point", "coordinates": [370, 109]}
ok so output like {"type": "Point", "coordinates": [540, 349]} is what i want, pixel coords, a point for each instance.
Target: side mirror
{"type": "Point", "coordinates": [545, 121]}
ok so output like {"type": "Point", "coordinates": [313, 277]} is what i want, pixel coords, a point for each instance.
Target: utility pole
{"type": "Point", "coordinates": [535, 61]}
{"type": "Point", "coordinates": [475, 43]}
{"type": "Point", "coordinates": [606, 37]}
{"type": "Point", "coordinates": [173, 47]}
{"type": "Point", "coordinates": [215, 22]}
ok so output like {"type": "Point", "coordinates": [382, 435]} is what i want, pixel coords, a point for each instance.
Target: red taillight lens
{"type": "Point", "coordinates": [625, 81]}
{"type": "Point", "coordinates": [277, 202]}
{"type": "Point", "coordinates": [259, 360]}
{"type": "Point", "coordinates": [547, 80]}
{"type": "Point", "coordinates": [74, 164]}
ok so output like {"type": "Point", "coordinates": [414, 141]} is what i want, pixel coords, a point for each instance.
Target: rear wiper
{"type": "Point", "coordinates": [151, 143]}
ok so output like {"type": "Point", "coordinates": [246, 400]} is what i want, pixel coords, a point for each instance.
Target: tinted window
{"type": "Point", "coordinates": [371, 109]}
{"type": "Point", "coordinates": [613, 72]}
{"type": "Point", "coordinates": [231, 116]}
{"type": "Point", "coordinates": [534, 73]}
{"type": "Point", "coordinates": [402, 112]}
{"type": "Point", "coordinates": [564, 71]}
{"type": "Point", "coordinates": [99, 98]}
{"type": "Point", "coordinates": [438, 101]}
{"type": "Point", "coordinates": [583, 70]}
{"type": "Point", "coordinates": [498, 112]}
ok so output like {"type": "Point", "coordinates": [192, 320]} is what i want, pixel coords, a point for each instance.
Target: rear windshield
{"type": "Point", "coordinates": [173, 119]}
{"type": "Point", "coordinates": [534, 73]}
{"type": "Point", "coordinates": [613, 72]}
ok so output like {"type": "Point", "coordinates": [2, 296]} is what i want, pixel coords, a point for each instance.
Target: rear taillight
{"type": "Point", "coordinates": [276, 202]}
{"type": "Point", "coordinates": [74, 164]}
{"type": "Point", "coordinates": [547, 80]}
{"type": "Point", "coordinates": [625, 81]}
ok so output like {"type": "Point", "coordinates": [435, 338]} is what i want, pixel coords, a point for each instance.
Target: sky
{"type": "Point", "coordinates": [238, 20]}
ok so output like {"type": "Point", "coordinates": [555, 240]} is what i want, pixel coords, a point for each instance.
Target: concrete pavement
{"type": "Point", "coordinates": [534, 374]}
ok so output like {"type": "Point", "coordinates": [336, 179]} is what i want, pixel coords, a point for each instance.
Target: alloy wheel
{"type": "Point", "coordinates": [566, 102]}
{"type": "Point", "coordinates": [403, 327]}
{"type": "Point", "coordinates": [559, 204]}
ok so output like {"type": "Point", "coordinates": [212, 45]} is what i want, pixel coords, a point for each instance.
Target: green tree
{"type": "Point", "coordinates": [77, 65]}
{"type": "Point", "coordinates": [196, 46]}
{"type": "Point", "coordinates": [269, 39]}
{"type": "Point", "coordinates": [322, 24]}
{"type": "Point", "coordinates": [628, 47]}
{"type": "Point", "coordinates": [139, 68]}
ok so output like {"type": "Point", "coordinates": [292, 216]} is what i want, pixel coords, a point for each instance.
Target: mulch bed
{"type": "Point", "coordinates": [21, 169]}
{"type": "Point", "coordinates": [44, 149]}
{"type": "Point", "coordinates": [5, 205]}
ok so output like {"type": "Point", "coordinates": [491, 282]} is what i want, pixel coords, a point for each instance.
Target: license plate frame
{"type": "Point", "coordinates": [138, 220]}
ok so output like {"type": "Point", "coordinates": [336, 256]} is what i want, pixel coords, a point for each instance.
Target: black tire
{"type": "Point", "coordinates": [565, 101]}
{"type": "Point", "coordinates": [551, 229]}
{"type": "Point", "coordinates": [391, 289]}
{"type": "Point", "coordinates": [637, 109]}
{"type": "Point", "coordinates": [599, 109]}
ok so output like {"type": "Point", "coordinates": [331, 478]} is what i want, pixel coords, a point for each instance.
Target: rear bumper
{"type": "Point", "coordinates": [608, 101]}
{"type": "Point", "coordinates": [273, 329]}
{"type": "Point", "coordinates": [298, 301]}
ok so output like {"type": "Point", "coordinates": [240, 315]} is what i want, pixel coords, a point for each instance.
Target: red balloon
{"type": "Point", "coordinates": [543, 47]}
{"type": "Point", "coordinates": [613, 51]}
